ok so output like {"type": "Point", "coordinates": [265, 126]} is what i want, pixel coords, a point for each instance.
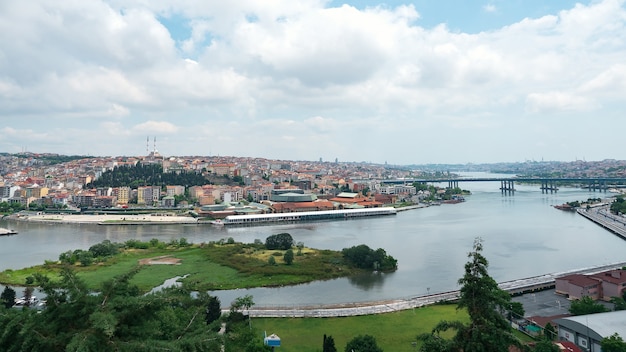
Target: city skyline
{"type": "Point", "coordinates": [402, 82]}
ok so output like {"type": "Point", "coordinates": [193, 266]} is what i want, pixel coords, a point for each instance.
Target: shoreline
{"type": "Point", "coordinates": [108, 219]}
{"type": "Point", "coordinates": [127, 220]}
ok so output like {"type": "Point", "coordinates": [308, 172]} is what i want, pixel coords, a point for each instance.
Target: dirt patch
{"type": "Point", "coordinates": [167, 260]}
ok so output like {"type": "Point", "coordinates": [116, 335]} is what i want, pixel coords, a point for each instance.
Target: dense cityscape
{"type": "Point", "coordinates": [50, 180]}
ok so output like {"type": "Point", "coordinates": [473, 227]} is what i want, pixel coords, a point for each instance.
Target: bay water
{"type": "Point", "coordinates": [523, 236]}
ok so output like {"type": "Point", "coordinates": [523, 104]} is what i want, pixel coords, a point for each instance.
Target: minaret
{"type": "Point", "coordinates": [147, 145]}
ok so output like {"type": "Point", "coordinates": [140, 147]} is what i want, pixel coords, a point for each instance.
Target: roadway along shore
{"type": "Point", "coordinates": [603, 217]}
{"type": "Point", "coordinates": [107, 219]}
{"type": "Point", "coordinates": [366, 308]}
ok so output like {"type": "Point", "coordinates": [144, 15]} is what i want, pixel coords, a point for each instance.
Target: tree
{"type": "Point", "coordinates": [613, 343]}
{"type": "Point", "coordinates": [282, 241]}
{"type": "Point", "coordinates": [488, 330]}
{"type": "Point", "coordinates": [549, 332]}
{"type": "Point", "coordinates": [618, 303]}
{"type": "Point", "coordinates": [586, 305]}
{"type": "Point", "coordinates": [329, 344]}
{"type": "Point", "coordinates": [8, 297]}
{"type": "Point", "coordinates": [363, 343]}
{"type": "Point", "coordinates": [271, 260]}
{"type": "Point", "coordinates": [213, 310]}
{"type": "Point", "coordinates": [288, 257]}
{"type": "Point", "coordinates": [364, 257]}
{"type": "Point", "coordinates": [546, 346]}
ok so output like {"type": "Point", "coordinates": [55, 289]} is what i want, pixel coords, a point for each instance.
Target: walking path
{"type": "Point", "coordinates": [367, 308]}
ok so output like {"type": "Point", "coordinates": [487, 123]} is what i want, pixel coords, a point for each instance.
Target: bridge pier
{"type": "Point", "coordinates": [548, 186]}
{"type": "Point", "coordinates": [507, 187]}
{"type": "Point", "coordinates": [453, 184]}
{"type": "Point", "coordinates": [599, 185]}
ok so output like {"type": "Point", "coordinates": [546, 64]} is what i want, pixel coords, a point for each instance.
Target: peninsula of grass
{"type": "Point", "coordinates": [222, 265]}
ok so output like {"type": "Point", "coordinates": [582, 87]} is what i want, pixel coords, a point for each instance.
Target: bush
{"type": "Point", "coordinates": [288, 257]}
{"type": "Point", "coordinates": [282, 241]}
{"type": "Point", "coordinates": [104, 249]}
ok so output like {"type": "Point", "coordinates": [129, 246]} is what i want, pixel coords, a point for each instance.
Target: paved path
{"type": "Point", "coordinates": [367, 308]}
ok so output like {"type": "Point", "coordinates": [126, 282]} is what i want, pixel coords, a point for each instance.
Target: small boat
{"type": "Point", "coordinates": [32, 301]}
{"type": "Point", "coordinates": [7, 232]}
{"type": "Point", "coordinates": [217, 222]}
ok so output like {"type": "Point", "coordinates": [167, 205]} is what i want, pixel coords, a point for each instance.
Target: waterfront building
{"type": "Point", "coordinates": [587, 331]}
{"type": "Point", "coordinates": [603, 285]}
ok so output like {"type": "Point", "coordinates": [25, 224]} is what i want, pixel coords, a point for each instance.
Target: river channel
{"type": "Point", "coordinates": [523, 236]}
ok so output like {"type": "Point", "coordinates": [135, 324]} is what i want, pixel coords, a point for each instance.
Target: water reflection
{"type": "Point", "coordinates": [369, 281]}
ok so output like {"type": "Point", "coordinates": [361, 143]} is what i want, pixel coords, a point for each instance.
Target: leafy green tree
{"type": "Point", "coordinates": [549, 332]}
{"type": "Point", "coordinates": [546, 346]}
{"type": "Point", "coordinates": [613, 343]}
{"type": "Point", "coordinates": [117, 318]}
{"type": "Point", "coordinates": [282, 241]}
{"type": "Point", "coordinates": [586, 305]}
{"type": "Point", "coordinates": [363, 343]}
{"type": "Point", "coordinates": [329, 344]}
{"type": "Point", "coordinates": [271, 260]}
{"type": "Point", "coordinates": [618, 303]}
{"type": "Point", "coordinates": [288, 257]}
{"type": "Point", "coordinates": [8, 297]}
{"type": "Point", "coordinates": [364, 257]}
{"type": "Point", "coordinates": [213, 310]}
{"type": "Point", "coordinates": [104, 249]}
{"type": "Point", "coordinates": [242, 303]}
{"type": "Point", "coordinates": [484, 301]}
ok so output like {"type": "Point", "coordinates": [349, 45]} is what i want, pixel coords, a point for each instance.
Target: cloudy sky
{"type": "Point", "coordinates": [403, 82]}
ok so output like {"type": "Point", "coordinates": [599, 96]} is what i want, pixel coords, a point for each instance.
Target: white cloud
{"type": "Point", "coordinates": [299, 69]}
{"type": "Point", "coordinates": [152, 127]}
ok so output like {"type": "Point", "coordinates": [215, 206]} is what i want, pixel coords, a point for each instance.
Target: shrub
{"type": "Point", "coordinates": [282, 241]}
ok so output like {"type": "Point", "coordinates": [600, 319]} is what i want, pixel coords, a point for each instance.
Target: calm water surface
{"type": "Point", "coordinates": [523, 236]}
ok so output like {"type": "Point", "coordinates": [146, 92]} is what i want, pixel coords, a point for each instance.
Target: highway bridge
{"type": "Point", "coordinates": [507, 184]}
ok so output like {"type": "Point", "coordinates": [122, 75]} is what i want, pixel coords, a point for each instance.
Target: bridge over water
{"type": "Point", "coordinates": [507, 184]}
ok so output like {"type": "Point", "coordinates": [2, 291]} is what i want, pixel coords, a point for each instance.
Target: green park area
{"type": "Point", "coordinates": [221, 265]}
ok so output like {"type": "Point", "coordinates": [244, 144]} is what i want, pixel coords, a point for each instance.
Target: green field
{"type": "Point", "coordinates": [393, 331]}
{"type": "Point", "coordinates": [205, 267]}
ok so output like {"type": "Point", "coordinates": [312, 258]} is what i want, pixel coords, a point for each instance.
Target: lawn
{"type": "Point", "coordinates": [393, 331]}
{"type": "Point", "coordinates": [204, 267]}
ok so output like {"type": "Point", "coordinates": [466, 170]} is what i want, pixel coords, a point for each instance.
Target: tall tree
{"type": "Point", "coordinates": [7, 297]}
{"type": "Point", "coordinates": [329, 344]}
{"type": "Point", "coordinates": [213, 310]}
{"type": "Point", "coordinates": [488, 329]}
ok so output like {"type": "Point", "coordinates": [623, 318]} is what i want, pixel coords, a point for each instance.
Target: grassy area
{"type": "Point", "coordinates": [207, 267]}
{"type": "Point", "coordinates": [393, 331]}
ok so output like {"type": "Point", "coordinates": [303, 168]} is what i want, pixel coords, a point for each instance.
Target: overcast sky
{"type": "Point", "coordinates": [398, 81]}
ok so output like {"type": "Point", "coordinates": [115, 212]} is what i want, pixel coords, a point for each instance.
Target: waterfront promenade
{"type": "Point", "coordinates": [520, 286]}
